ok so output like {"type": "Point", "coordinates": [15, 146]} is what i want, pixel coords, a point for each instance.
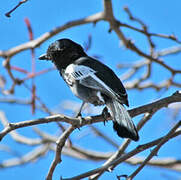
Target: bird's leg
{"type": "Point", "coordinates": [105, 114]}
{"type": "Point", "coordinates": [79, 115]}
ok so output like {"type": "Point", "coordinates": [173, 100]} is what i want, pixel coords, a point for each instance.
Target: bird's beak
{"type": "Point", "coordinates": [44, 57]}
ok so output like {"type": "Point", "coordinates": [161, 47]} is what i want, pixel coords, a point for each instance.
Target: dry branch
{"type": "Point", "coordinates": [46, 142]}
{"type": "Point", "coordinates": [60, 143]}
{"type": "Point", "coordinates": [126, 156]}
{"type": "Point", "coordinates": [176, 97]}
{"type": "Point", "coordinates": [8, 14]}
{"type": "Point", "coordinates": [35, 154]}
{"type": "Point", "coordinates": [154, 152]}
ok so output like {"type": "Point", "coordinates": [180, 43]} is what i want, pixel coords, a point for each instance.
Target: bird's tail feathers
{"type": "Point", "coordinates": [122, 122]}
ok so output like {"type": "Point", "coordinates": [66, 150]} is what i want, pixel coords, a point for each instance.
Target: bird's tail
{"type": "Point", "coordinates": [122, 122]}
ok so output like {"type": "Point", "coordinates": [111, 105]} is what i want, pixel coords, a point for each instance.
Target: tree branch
{"type": "Point", "coordinates": [60, 143]}
{"type": "Point", "coordinates": [155, 150]}
{"type": "Point", "coordinates": [124, 157]}
{"type": "Point", "coordinates": [37, 42]}
{"type": "Point", "coordinates": [29, 157]}
{"type": "Point", "coordinates": [176, 97]}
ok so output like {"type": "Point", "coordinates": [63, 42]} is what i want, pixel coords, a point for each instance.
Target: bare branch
{"type": "Point", "coordinates": [169, 51]}
{"type": "Point", "coordinates": [29, 157]}
{"type": "Point", "coordinates": [155, 150]}
{"type": "Point", "coordinates": [15, 101]}
{"type": "Point", "coordinates": [169, 163]}
{"type": "Point", "coordinates": [114, 24]}
{"type": "Point", "coordinates": [8, 14]}
{"type": "Point", "coordinates": [124, 157]}
{"type": "Point", "coordinates": [156, 105]}
{"type": "Point", "coordinates": [60, 143]}
{"type": "Point", "coordinates": [85, 154]}
{"type": "Point", "coordinates": [103, 136]}
{"type": "Point", "coordinates": [176, 97]}
{"type": "Point", "coordinates": [37, 42]}
{"type": "Point", "coordinates": [17, 137]}
{"type": "Point", "coordinates": [144, 29]}
{"type": "Point", "coordinates": [124, 145]}
{"type": "Point", "coordinates": [140, 81]}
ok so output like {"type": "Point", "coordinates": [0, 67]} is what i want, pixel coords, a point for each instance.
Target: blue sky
{"type": "Point", "coordinates": [160, 16]}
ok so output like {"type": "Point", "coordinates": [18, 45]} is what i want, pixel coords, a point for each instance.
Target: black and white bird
{"type": "Point", "coordinates": [93, 82]}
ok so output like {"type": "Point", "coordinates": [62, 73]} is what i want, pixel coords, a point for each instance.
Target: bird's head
{"type": "Point", "coordinates": [63, 52]}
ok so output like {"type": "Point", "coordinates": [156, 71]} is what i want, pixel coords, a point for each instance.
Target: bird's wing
{"type": "Point", "coordinates": [87, 77]}
{"type": "Point", "coordinates": [107, 76]}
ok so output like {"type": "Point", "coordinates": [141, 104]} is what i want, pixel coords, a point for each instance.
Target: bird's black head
{"type": "Point", "coordinates": [63, 52]}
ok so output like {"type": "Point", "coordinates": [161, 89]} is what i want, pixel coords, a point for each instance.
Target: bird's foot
{"type": "Point", "coordinates": [105, 115]}
{"type": "Point", "coordinates": [79, 116]}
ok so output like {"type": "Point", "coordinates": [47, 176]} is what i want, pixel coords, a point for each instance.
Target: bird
{"type": "Point", "coordinates": [92, 82]}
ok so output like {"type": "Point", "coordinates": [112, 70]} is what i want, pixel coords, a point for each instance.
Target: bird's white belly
{"type": "Point", "coordinates": [86, 94]}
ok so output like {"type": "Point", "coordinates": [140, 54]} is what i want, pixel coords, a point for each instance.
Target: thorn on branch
{"type": "Point", "coordinates": [18, 81]}
{"type": "Point", "coordinates": [10, 125]}
{"type": "Point", "coordinates": [120, 176]}
{"type": "Point", "coordinates": [177, 93]}
{"type": "Point", "coordinates": [110, 30]}
{"type": "Point", "coordinates": [109, 169]}
{"type": "Point", "coordinates": [94, 23]}
{"type": "Point", "coordinates": [131, 17]}
{"type": "Point", "coordinates": [173, 37]}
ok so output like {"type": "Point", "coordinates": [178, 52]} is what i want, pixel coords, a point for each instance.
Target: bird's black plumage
{"type": "Point", "coordinates": [93, 82]}
{"type": "Point", "coordinates": [106, 75]}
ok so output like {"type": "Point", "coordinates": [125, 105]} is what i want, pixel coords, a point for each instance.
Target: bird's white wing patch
{"type": "Point", "coordinates": [94, 82]}
{"type": "Point", "coordinates": [88, 78]}
{"type": "Point", "coordinates": [77, 72]}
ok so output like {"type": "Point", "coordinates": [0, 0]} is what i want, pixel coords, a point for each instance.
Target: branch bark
{"type": "Point", "coordinates": [176, 97]}
{"type": "Point", "coordinates": [124, 157]}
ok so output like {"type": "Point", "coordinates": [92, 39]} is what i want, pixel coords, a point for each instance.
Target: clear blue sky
{"type": "Point", "coordinates": [160, 16]}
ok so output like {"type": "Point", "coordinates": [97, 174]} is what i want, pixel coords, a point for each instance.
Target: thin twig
{"type": "Point", "coordinates": [121, 159]}
{"type": "Point", "coordinates": [155, 150]}
{"type": "Point", "coordinates": [8, 14]}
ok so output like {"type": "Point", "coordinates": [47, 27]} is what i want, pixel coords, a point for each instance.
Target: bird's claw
{"type": "Point", "coordinates": [105, 115]}
{"type": "Point", "coordinates": [79, 116]}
